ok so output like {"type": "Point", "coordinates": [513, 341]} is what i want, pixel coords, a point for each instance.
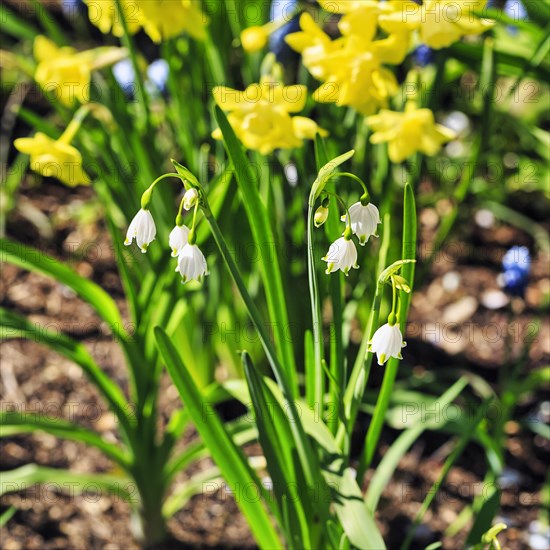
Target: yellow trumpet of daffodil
{"type": "Point", "coordinates": [160, 19]}
{"type": "Point", "coordinates": [260, 115]}
{"type": "Point", "coordinates": [66, 73]}
{"type": "Point", "coordinates": [57, 158]}
{"type": "Point", "coordinates": [439, 23]}
{"type": "Point", "coordinates": [408, 132]}
{"type": "Point", "coordinates": [350, 67]}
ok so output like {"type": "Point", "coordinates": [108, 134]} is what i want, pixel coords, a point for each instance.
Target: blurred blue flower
{"type": "Point", "coordinates": [123, 71]}
{"type": "Point", "coordinates": [517, 266]}
{"type": "Point", "coordinates": [423, 55]}
{"type": "Point", "coordinates": [158, 72]}
{"type": "Point", "coordinates": [517, 257]}
{"type": "Point", "coordinates": [283, 9]}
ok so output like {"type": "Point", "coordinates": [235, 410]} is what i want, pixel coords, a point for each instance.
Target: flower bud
{"type": "Point", "coordinates": [321, 215]}
{"type": "Point", "coordinates": [254, 39]}
{"type": "Point", "coordinates": [190, 198]}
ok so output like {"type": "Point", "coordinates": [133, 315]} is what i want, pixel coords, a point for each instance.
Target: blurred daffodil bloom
{"type": "Point", "coordinates": [160, 19]}
{"type": "Point", "coordinates": [54, 158]}
{"type": "Point", "coordinates": [260, 115]}
{"type": "Point", "coordinates": [439, 23]}
{"type": "Point", "coordinates": [350, 67]}
{"type": "Point", "coordinates": [408, 132]}
{"type": "Point", "coordinates": [103, 14]}
{"type": "Point", "coordinates": [67, 73]}
{"type": "Point", "coordinates": [164, 19]}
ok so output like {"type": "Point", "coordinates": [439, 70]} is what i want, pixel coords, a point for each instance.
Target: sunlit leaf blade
{"type": "Point", "coordinates": [32, 474]}
{"type": "Point", "coordinates": [264, 238]}
{"type": "Point", "coordinates": [229, 458]}
{"type": "Point", "coordinates": [12, 422]}
{"type": "Point", "coordinates": [38, 261]}
{"type": "Point", "coordinates": [13, 325]}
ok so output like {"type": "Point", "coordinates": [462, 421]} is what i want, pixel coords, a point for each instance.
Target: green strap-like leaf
{"type": "Point", "coordinates": [35, 260]}
{"type": "Point", "coordinates": [12, 422]}
{"type": "Point", "coordinates": [265, 239]}
{"type": "Point", "coordinates": [13, 325]}
{"type": "Point", "coordinates": [229, 458]}
{"type": "Point", "coordinates": [60, 480]}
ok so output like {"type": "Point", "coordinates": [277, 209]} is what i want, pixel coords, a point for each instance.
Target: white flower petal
{"type": "Point", "coordinates": [142, 229]}
{"type": "Point", "coordinates": [387, 342]}
{"type": "Point", "coordinates": [191, 263]}
{"type": "Point", "coordinates": [178, 239]}
{"type": "Point", "coordinates": [342, 255]}
{"type": "Point", "coordinates": [364, 220]}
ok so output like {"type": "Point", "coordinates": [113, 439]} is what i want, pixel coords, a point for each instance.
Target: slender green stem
{"type": "Point", "coordinates": [353, 177]}
{"type": "Point", "coordinates": [316, 395]}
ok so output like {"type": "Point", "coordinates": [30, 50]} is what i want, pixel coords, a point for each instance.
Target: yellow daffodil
{"type": "Point", "coordinates": [260, 115]}
{"type": "Point", "coordinates": [54, 159]}
{"type": "Point", "coordinates": [408, 132]}
{"type": "Point", "coordinates": [163, 19]}
{"type": "Point", "coordinates": [349, 66]}
{"type": "Point", "coordinates": [104, 15]}
{"type": "Point", "coordinates": [66, 73]}
{"type": "Point", "coordinates": [160, 19]}
{"type": "Point", "coordinates": [440, 23]}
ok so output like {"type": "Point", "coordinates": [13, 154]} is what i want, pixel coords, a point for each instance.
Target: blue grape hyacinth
{"type": "Point", "coordinates": [516, 264]}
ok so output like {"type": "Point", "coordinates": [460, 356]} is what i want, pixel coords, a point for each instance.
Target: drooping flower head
{"type": "Point", "coordinates": [191, 263]}
{"type": "Point", "coordinates": [178, 239]}
{"type": "Point", "coordinates": [342, 255]}
{"type": "Point", "coordinates": [364, 220]}
{"type": "Point", "coordinates": [387, 342]}
{"type": "Point", "coordinates": [142, 229]}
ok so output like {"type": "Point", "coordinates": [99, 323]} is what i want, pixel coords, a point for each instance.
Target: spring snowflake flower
{"type": "Point", "coordinates": [260, 115]}
{"type": "Point", "coordinates": [342, 255]}
{"type": "Point", "coordinates": [439, 23]}
{"type": "Point", "coordinates": [387, 342]}
{"type": "Point", "coordinates": [142, 228]}
{"type": "Point", "coordinates": [54, 159]}
{"type": "Point", "coordinates": [190, 198]}
{"type": "Point", "coordinates": [408, 132]}
{"type": "Point", "coordinates": [191, 263]}
{"type": "Point", "coordinates": [364, 220]}
{"type": "Point", "coordinates": [178, 239]}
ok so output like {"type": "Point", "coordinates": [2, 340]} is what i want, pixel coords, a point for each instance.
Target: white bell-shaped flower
{"type": "Point", "coordinates": [178, 239]}
{"type": "Point", "coordinates": [364, 220]}
{"type": "Point", "coordinates": [190, 198]}
{"type": "Point", "coordinates": [342, 255]}
{"type": "Point", "coordinates": [191, 263]}
{"type": "Point", "coordinates": [142, 228]}
{"type": "Point", "coordinates": [387, 342]}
